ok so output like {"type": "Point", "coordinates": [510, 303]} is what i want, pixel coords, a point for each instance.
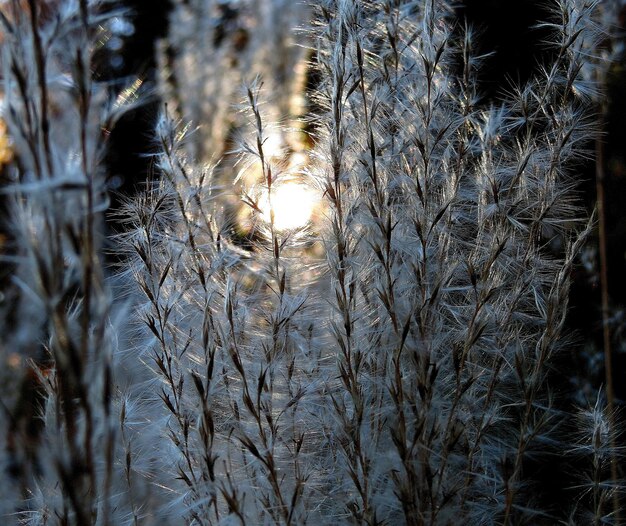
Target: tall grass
{"type": "Point", "coordinates": [59, 439]}
{"type": "Point", "coordinates": [389, 362]}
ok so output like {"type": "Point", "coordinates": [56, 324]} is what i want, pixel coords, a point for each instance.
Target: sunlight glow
{"type": "Point", "coordinates": [293, 205]}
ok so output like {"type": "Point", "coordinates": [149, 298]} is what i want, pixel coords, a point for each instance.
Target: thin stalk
{"type": "Point", "coordinates": [604, 291]}
{"type": "Point", "coordinates": [40, 60]}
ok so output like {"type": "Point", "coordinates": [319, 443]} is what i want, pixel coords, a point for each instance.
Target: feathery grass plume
{"type": "Point", "coordinates": [596, 485]}
{"type": "Point", "coordinates": [449, 302]}
{"type": "Point", "coordinates": [176, 259]}
{"type": "Point", "coordinates": [222, 334]}
{"type": "Point", "coordinates": [59, 439]}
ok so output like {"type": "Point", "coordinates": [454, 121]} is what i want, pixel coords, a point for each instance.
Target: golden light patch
{"type": "Point", "coordinates": [292, 203]}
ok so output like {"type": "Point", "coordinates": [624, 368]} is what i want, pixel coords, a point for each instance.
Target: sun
{"type": "Point", "coordinates": [293, 205]}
